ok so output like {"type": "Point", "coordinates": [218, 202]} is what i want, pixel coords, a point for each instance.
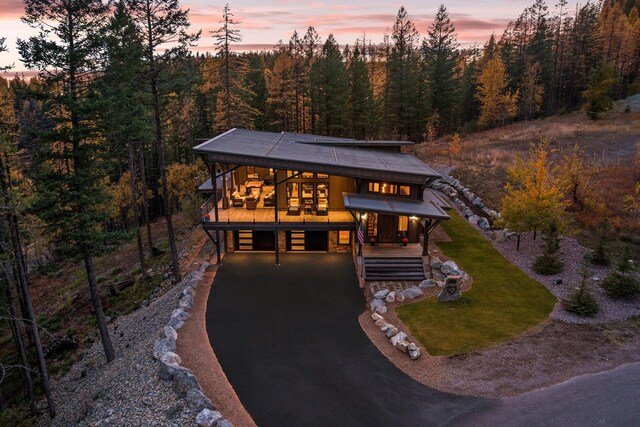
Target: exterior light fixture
{"type": "Point", "coordinates": [414, 218]}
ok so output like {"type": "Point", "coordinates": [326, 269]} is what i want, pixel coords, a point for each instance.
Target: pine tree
{"type": "Point", "coordinates": [330, 89]}
{"type": "Point", "coordinates": [123, 114]}
{"type": "Point", "coordinates": [440, 50]}
{"type": "Point", "coordinates": [233, 109]}
{"type": "Point", "coordinates": [549, 261]}
{"type": "Point", "coordinates": [401, 100]}
{"type": "Point", "coordinates": [281, 93]}
{"type": "Point", "coordinates": [162, 22]}
{"type": "Point", "coordinates": [66, 165]}
{"type": "Point", "coordinates": [598, 94]}
{"type": "Point", "coordinates": [360, 97]}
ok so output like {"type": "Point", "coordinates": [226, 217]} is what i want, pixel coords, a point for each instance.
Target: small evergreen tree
{"type": "Point", "coordinates": [598, 94]}
{"type": "Point", "coordinates": [549, 262]}
{"type": "Point", "coordinates": [623, 281]}
{"type": "Point", "coordinates": [581, 300]}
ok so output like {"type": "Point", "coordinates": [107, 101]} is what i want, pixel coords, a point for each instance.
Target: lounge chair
{"type": "Point", "coordinates": [294, 207]}
{"type": "Point", "coordinates": [323, 206]}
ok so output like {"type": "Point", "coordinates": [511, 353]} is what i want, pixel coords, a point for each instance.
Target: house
{"type": "Point", "coordinates": [287, 192]}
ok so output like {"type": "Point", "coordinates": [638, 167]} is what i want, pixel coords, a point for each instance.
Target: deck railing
{"type": "Point", "coordinates": [206, 210]}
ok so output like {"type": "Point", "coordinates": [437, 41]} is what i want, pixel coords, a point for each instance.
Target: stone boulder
{"type": "Point", "coordinates": [449, 268]}
{"type": "Point", "coordinates": [170, 358]}
{"type": "Point", "coordinates": [197, 400]}
{"type": "Point", "coordinates": [376, 316]}
{"type": "Point", "coordinates": [380, 321]}
{"type": "Point", "coordinates": [208, 418]}
{"type": "Point", "coordinates": [376, 302]}
{"type": "Point", "coordinates": [473, 219]}
{"type": "Point", "coordinates": [381, 294]}
{"type": "Point", "coordinates": [382, 309]}
{"type": "Point", "coordinates": [399, 297]}
{"type": "Point", "coordinates": [397, 338]}
{"type": "Point", "coordinates": [186, 302]}
{"type": "Point", "coordinates": [435, 262]}
{"type": "Point", "coordinates": [451, 290]}
{"type": "Point", "coordinates": [391, 332]}
{"type": "Point", "coordinates": [427, 283]}
{"type": "Point", "coordinates": [391, 297]}
{"type": "Point", "coordinates": [385, 327]}
{"type": "Point", "coordinates": [224, 423]}
{"type": "Point", "coordinates": [403, 346]}
{"type": "Point", "coordinates": [412, 292]}
{"type": "Point", "coordinates": [414, 354]}
{"type": "Point", "coordinates": [162, 346]}
{"type": "Point", "coordinates": [183, 381]}
{"type": "Point", "coordinates": [483, 223]}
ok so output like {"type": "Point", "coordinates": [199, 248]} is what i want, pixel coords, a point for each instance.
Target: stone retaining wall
{"type": "Point", "coordinates": [184, 383]}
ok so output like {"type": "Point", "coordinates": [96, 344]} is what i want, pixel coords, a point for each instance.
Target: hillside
{"type": "Point", "coordinates": [611, 147]}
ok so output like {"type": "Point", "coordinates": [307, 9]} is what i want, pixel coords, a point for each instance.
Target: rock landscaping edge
{"type": "Point", "coordinates": [184, 383]}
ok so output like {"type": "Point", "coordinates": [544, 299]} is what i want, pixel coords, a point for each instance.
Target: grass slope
{"type": "Point", "coordinates": [503, 302]}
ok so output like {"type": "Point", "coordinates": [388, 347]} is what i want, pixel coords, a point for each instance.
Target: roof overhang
{"type": "Point", "coordinates": [393, 206]}
{"type": "Point", "coordinates": [286, 151]}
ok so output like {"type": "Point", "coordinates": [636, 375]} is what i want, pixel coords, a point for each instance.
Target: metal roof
{"type": "Point", "coordinates": [393, 205]}
{"type": "Point", "coordinates": [291, 151]}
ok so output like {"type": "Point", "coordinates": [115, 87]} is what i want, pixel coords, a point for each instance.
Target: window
{"type": "Point", "coordinates": [307, 175]}
{"type": "Point", "coordinates": [403, 225]}
{"type": "Point", "coordinates": [292, 190]}
{"type": "Point", "coordinates": [374, 187]}
{"type": "Point", "coordinates": [322, 176]}
{"type": "Point", "coordinates": [405, 190]}
{"type": "Point", "coordinates": [291, 173]}
{"type": "Point", "coordinates": [388, 188]}
{"type": "Point", "coordinates": [323, 190]}
{"type": "Point", "coordinates": [344, 237]}
{"type": "Point", "coordinates": [307, 191]}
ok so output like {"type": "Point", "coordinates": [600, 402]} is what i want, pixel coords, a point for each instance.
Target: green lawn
{"type": "Point", "coordinates": [503, 302]}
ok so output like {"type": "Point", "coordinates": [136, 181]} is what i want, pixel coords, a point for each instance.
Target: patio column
{"type": "Point", "coordinates": [214, 184]}
{"type": "Point", "coordinates": [425, 238]}
{"type": "Point", "coordinates": [275, 209]}
{"type": "Point", "coordinates": [225, 198]}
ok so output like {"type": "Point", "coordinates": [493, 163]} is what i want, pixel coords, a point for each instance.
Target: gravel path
{"type": "Point", "coordinates": [126, 392]}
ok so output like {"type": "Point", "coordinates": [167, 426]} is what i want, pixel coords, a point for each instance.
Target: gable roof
{"type": "Point", "coordinates": [294, 151]}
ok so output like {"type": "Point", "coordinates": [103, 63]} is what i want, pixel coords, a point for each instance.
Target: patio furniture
{"type": "Point", "coordinates": [269, 179]}
{"type": "Point", "coordinates": [251, 202]}
{"type": "Point", "coordinates": [323, 206]}
{"type": "Point", "coordinates": [270, 199]}
{"type": "Point", "coordinates": [294, 207]}
{"type": "Point", "coordinates": [237, 200]}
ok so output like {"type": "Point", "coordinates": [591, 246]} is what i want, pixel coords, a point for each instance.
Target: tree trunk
{"type": "Point", "coordinates": [17, 334]}
{"type": "Point", "coordinates": [97, 307]}
{"type": "Point", "coordinates": [163, 182]}
{"type": "Point", "coordinates": [159, 151]}
{"type": "Point", "coordinates": [134, 207]}
{"type": "Point", "coordinates": [24, 289]}
{"type": "Point", "coordinates": [145, 200]}
{"type": "Point", "coordinates": [518, 243]}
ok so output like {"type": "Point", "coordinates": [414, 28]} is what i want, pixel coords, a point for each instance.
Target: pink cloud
{"type": "Point", "coordinates": [11, 10]}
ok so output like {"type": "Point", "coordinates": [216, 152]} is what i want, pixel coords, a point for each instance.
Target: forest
{"type": "Point", "coordinates": [97, 147]}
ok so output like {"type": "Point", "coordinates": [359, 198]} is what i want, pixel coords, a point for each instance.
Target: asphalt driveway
{"type": "Point", "coordinates": [289, 341]}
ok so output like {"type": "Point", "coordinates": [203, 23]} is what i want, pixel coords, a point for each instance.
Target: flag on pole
{"type": "Point", "coordinates": [360, 235]}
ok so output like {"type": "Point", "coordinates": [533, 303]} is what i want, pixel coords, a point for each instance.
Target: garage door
{"type": "Point", "coordinates": [301, 240]}
{"type": "Point", "coordinates": [252, 240]}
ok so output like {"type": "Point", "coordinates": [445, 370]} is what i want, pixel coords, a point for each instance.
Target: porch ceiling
{"type": "Point", "coordinates": [393, 206]}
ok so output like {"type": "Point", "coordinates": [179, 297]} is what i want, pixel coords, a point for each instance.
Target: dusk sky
{"type": "Point", "coordinates": [263, 23]}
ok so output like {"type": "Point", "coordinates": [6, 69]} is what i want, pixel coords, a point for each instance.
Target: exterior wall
{"type": "Point", "coordinates": [334, 247]}
{"type": "Point", "coordinates": [229, 242]}
{"type": "Point", "coordinates": [282, 241]}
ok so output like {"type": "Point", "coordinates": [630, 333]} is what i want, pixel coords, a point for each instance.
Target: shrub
{"type": "Point", "coordinates": [621, 285]}
{"type": "Point", "coordinates": [600, 255]}
{"type": "Point", "coordinates": [622, 282]}
{"type": "Point", "coordinates": [581, 302]}
{"type": "Point", "coordinates": [549, 262]}
{"type": "Point", "coordinates": [115, 271]}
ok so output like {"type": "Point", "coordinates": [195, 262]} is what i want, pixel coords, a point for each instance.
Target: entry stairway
{"type": "Point", "coordinates": [394, 268]}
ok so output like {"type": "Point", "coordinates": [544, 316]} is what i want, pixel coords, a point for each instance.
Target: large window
{"type": "Point", "coordinates": [344, 237]}
{"type": "Point", "coordinates": [403, 225]}
{"type": "Point", "coordinates": [405, 190]}
{"type": "Point", "coordinates": [388, 188]}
